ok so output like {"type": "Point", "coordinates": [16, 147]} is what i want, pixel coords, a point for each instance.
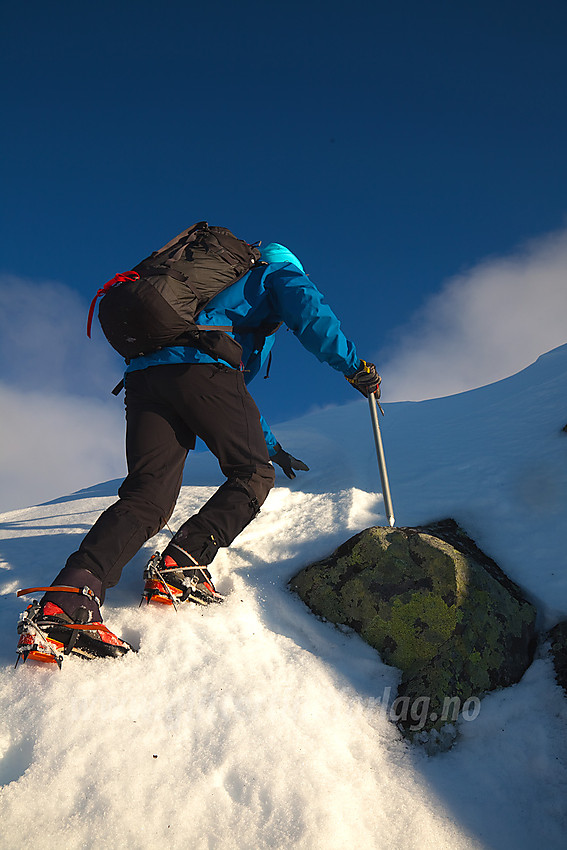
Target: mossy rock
{"type": "Point", "coordinates": [433, 605]}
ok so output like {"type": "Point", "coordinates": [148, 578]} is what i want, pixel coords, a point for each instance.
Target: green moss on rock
{"type": "Point", "coordinates": [433, 605]}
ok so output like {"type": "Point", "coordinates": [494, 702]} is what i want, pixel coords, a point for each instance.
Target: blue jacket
{"type": "Point", "coordinates": [268, 295]}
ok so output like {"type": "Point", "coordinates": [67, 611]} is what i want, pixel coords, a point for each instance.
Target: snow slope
{"type": "Point", "coordinates": [257, 726]}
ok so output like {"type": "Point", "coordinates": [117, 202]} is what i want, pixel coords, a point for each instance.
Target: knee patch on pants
{"type": "Point", "coordinates": [256, 483]}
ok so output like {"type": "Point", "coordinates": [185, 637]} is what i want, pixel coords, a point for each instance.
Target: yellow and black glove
{"type": "Point", "coordinates": [366, 380]}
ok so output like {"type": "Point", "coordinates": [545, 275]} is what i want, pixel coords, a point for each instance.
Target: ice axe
{"type": "Point", "coordinates": [374, 403]}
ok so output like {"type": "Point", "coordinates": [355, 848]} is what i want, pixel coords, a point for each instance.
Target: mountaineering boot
{"type": "Point", "coordinates": [168, 583]}
{"type": "Point", "coordinates": [47, 633]}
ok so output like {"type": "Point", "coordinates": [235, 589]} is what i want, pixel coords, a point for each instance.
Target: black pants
{"type": "Point", "coordinates": [167, 407]}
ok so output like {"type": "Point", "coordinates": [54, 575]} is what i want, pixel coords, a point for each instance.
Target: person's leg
{"type": "Point", "coordinates": [166, 407]}
{"type": "Point", "coordinates": [157, 442]}
{"type": "Point", "coordinates": [222, 413]}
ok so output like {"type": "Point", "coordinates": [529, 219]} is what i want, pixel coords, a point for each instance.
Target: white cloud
{"type": "Point", "coordinates": [53, 444]}
{"type": "Point", "coordinates": [43, 342]}
{"type": "Point", "coordinates": [60, 428]}
{"type": "Point", "coordinates": [483, 325]}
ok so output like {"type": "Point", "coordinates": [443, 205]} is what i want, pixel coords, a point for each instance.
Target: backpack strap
{"type": "Point", "coordinates": [225, 328]}
{"type": "Point", "coordinates": [261, 332]}
{"type": "Point", "coordinates": [156, 271]}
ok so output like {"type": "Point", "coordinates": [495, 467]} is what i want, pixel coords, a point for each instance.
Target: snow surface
{"type": "Point", "coordinates": [255, 725]}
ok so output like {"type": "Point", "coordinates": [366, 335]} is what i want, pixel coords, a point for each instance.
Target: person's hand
{"type": "Point", "coordinates": [366, 379]}
{"type": "Point", "coordinates": [287, 462]}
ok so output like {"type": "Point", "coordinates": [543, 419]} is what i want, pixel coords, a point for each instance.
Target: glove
{"type": "Point", "coordinates": [366, 380]}
{"type": "Point", "coordinates": [287, 462]}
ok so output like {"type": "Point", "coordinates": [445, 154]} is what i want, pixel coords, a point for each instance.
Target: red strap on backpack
{"type": "Point", "coordinates": [118, 278]}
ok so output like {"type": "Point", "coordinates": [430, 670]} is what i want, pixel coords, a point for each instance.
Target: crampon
{"type": "Point", "coordinates": [167, 583]}
{"type": "Point", "coordinates": [48, 634]}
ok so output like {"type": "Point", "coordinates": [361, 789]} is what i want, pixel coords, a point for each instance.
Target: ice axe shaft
{"type": "Point", "coordinates": [381, 460]}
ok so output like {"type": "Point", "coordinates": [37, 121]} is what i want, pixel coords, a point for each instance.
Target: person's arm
{"type": "Point", "coordinates": [297, 301]}
{"type": "Point", "coordinates": [303, 309]}
{"type": "Point", "coordinates": [278, 455]}
{"type": "Point", "coordinates": [271, 441]}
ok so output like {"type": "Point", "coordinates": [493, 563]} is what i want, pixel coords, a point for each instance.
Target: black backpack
{"type": "Point", "coordinates": [156, 303]}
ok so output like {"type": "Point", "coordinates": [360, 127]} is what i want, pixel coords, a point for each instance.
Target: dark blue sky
{"type": "Point", "coordinates": [389, 145]}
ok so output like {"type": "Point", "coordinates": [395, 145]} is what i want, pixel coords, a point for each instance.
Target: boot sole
{"type": "Point", "coordinates": [84, 646]}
